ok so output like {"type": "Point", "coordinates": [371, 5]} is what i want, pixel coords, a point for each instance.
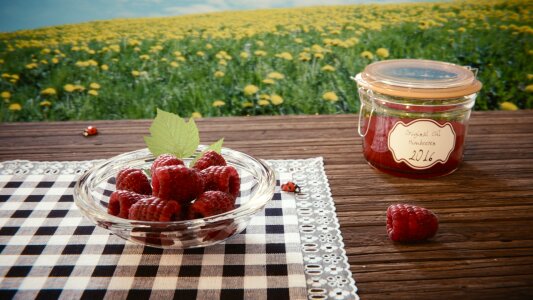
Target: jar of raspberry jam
{"type": "Point", "coordinates": [414, 115]}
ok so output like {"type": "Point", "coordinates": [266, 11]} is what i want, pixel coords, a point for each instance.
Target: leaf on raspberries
{"type": "Point", "coordinates": [171, 134]}
{"type": "Point", "coordinates": [216, 146]}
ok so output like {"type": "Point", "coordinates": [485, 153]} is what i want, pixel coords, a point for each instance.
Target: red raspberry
{"type": "Point", "coordinates": [210, 158]}
{"type": "Point", "coordinates": [177, 183]}
{"type": "Point", "coordinates": [409, 223]}
{"type": "Point", "coordinates": [165, 160]}
{"type": "Point", "coordinates": [121, 201]}
{"type": "Point", "coordinates": [133, 180]}
{"type": "Point", "coordinates": [222, 178]}
{"type": "Point", "coordinates": [211, 203]}
{"type": "Point", "coordinates": [155, 209]}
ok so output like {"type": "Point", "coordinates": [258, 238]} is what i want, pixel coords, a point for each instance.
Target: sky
{"type": "Point", "coordinates": [30, 14]}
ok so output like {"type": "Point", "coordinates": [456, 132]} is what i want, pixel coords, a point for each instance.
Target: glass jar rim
{"type": "Point", "coordinates": [418, 78]}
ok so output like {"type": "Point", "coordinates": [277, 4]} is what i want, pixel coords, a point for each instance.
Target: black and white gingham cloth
{"type": "Point", "coordinates": [48, 250]}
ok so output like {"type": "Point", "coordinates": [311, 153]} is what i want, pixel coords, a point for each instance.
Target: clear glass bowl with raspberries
{"type": "Point", "coordinates": [166, 202]}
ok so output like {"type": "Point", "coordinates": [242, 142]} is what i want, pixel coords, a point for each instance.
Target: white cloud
{"type": "Point", "coordinates": [191, 9]}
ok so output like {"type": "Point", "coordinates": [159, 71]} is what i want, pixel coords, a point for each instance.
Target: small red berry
{"type": "Point", "coordinates": [91, 130]}
{"type": "Point", "coordinates": [211, 203]}
{"type": "Point", "coordinates": [409, 223]}
{"type": "Point", "coordinates": [222, 178]}
{"type": "Point", "coordinates": [133, 180]}
{"type": "Point", "coordinates": [291, 187]}
{"type": "Point", "coordinates": [121, 201]}
{"type": "Point", "coordinates": [208, 159]}
{"type": "Point", "coordinates": [155, 209]}
{"type": "Point", "coordinates": [165, 160]}
{"type": "Point", "coordinates": [177, 183]}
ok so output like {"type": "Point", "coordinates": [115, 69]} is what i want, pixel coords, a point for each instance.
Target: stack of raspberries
{"type": "Point", "coordinates": [176, 192]}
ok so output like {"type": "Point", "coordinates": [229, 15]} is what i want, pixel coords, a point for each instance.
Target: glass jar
{"type": "Point", "coordinates": [414, 115]}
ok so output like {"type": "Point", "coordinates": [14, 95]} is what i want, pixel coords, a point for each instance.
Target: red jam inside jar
{"type": "Point", "coordinates": [414, 116]}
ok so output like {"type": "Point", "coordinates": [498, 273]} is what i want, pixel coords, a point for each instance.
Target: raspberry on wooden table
{"type": "Point", "coordinates": [211, 203]}
{"type": "Point", "coordinates": [222, 178]}
{"type": "Point", "coordinates": [165, 160]}
{"type": "Point", "coordinates": [177, 183]}
{"type": "Point", "coordinates": [409, 223]}
{"type": "Point", "coordinates": [209, 158]}
{"type": "Point", "coordinates": [155, 209]}
{"type": "Point", "coordinates": [121, 201]}
{"type": "Point", "coordinates": [133, 180]}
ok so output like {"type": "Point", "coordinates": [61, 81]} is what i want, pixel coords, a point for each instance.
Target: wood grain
{"type": "Point", "coordinates": [484, 248]}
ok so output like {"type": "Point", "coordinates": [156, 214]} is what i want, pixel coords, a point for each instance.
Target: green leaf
{"type": "Point", "coordinates": [216, 146]}
{"type": "Point", "coordinates": [171, 134]}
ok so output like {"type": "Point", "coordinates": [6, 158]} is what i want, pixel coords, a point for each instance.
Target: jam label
{"type": "Point", "coordinates": [421, 143]}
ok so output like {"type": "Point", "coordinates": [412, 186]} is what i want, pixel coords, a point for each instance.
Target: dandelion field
{"type": "Point", "coordinates": [264, 62]}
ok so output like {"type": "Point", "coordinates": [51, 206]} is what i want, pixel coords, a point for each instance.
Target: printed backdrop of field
{"type": "Point", "coordinates": [279, 61]}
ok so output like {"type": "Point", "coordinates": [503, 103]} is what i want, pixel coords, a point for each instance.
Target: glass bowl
{"type": "Point", "coordinates": [93, 189]}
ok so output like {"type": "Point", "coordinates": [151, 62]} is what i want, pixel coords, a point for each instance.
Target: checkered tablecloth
{"type": "Point", "coordinates": [49, 250]}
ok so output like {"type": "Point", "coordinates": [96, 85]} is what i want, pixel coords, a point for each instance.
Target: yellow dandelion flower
{"type": "Point", "coordinates": [259, 43]}
{"type": "Point", "coordinates": [181, 58]}
{"type": "Point", "coordinates": [461, 29]}
{"type": "Point", "coordinates": [49, 91]}
{"type": "Point", "coordinates": [276, 99]}
{"type": "Point", "coordinates": [137, 49]}
{"type": "Point", "coordinates": [268, 81]}
{"type": "Point", "coordinates": [94, 86]}
{"type": "Point", "coordinates": [196, 115]}
{"type": "Point", "coordinates": [45, 51]}
{"type": "Point", "coordinates": [177, 53]}
{"type": "Point", "coordinates": [284, 55]}
{"type": "Point", "coordinates": [382, 52]}
{"type": "Point", "coordinates": [135, 73]}
{"type": "Point", "coordinates": [250, 89]}
{"type": "Point", "coordinates": [1, 61]}
{"type": "Point", "coordinates": [264, 96]}
{"type": "Point", "coordinates": [69, 88]}
{"type": "Point", "coordinates": [328, 68]}
{"type": "Point", "coordinates": [247, 104]}
{"type": "Point", "coordinates": [260, 53]}
{"type": "Point", "coordinates": [244, 55]}
{"type": "Point", "coordinates": [508, 106]}
{"type": "Point", "coordinates": [164, 59]}
{"type": "Point", "coordinates": [45, 103]}
{"type": "Point", "coordinates": [5, 95]}
{"type": "Point", "coordinates": [79, 88]}
{"type": "Point", "coordinates": [6, 75]}
{"type": "Point", "coordinates": [304, 56]}
{"type": "Point", "coordinates": [298, 40]}
{"type": "Point", "coordinates": [529, 76]}
{"type": "Point", "coordinates": [81, 64]}
{"type": "Point", "coordinates": [15, 107]}
{"type": "Point", "coordinates": [55, 60]}
{"type": "Point", "coordinates": [208, 46]}
{"type": "Point", "coordinates": [104, 67]}
{"type": "Point", "coordinates": [222, 62]}
{"type": "Point", "coordinates": [15, 77]}
{"type": "Point", "coordinates": [174, 64]}
{"type": "Point", "coordinates": [219, 74]}
{"type": "Point", "coordinates": [318, 55]}
{"type": "Point", "coordinates": [218, 103]}
{"type": "Point", "coordinates": [263, 102]}
{"type": "Point", "coordinates": [200, 53]}
{"type": "Point", "coordinates": [144, 57]}
{"type": "Point", "coordinates": [93, 92]}
{"type": "Point", "coordinates": [330, 96]}
{"type": "Point", "coordinates": [31, 66]}
{"type": "Point", "coordinates": [529, 88]}
{"type": "Point", "coordinates": [275, 75]}
{"type": "Point", "coordinates": [367, 54]}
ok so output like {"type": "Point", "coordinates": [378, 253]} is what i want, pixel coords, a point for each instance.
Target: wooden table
{"type": "Point", "coordinates": [484, 247]}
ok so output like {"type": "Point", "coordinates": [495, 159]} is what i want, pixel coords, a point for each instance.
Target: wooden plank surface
{"type": "Point", "coordinates": [484, 248]}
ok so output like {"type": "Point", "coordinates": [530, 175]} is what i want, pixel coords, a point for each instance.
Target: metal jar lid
{"type": "Point", "coordinates": [420, 79]}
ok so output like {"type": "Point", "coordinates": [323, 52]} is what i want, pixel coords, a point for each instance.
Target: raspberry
{"type": "Point", "coordinates": [165, 160]}
{"type": "Point", "coordinates": [133, 180]}
{"type": "Point", "coordinates": [121, 201]}
{"type": "Point", "coordinates": [409, 223]}
{"type": "Point", "coordinates": [210, 158]}
{"type": "Point", "coordinates": [211, 203]}
{"type": "Point", "coordinates": [155, 209]}
{"type": "Point", "coordinates": [222, 178]}
{"type": "Point", "coordinates": [177, 183]}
